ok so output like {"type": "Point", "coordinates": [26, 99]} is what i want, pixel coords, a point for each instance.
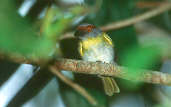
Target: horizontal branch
{"type": "Point", "coordinates": [17, 58]}
{"type": "Point", "coordinates": [98, 68]}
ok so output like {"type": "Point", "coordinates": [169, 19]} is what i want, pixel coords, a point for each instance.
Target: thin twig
{"type": "Point", "coordinates": [135, 19]}
{"type": "Point", "coordinates": [149, 4]}
{"type": "Point", "coordinates": [75, 86]}
{"type": "Point", "coordinates": [15, 58]}
{"type": "Point", "coordinates": [97, 68]}
{"type": "Point", "coordinates": [18, 58]}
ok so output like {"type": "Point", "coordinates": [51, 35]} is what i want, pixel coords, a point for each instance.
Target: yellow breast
{"type": "Point", "coordinates": [93, 41]}
{"type": "Point", "coordinates": [86, 44]}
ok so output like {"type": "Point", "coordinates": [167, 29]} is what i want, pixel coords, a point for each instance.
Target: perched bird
{"type": "Point", "coordinates": [95, 45]}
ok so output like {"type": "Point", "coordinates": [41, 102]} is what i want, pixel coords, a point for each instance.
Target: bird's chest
{"type": "Point", "coordinates": [102, 52]}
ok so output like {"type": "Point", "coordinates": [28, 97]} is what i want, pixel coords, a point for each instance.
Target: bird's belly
{"type": "Point", "coordinates": [99, 53]}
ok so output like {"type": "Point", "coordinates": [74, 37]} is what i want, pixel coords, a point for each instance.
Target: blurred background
{"type": "Point", "coordinates": [42, 30]}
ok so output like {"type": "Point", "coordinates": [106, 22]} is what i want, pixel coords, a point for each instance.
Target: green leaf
{"type": "Point", "coordinates": [136, 59]}
{"type": "Point", "coordinates": [18, 36]}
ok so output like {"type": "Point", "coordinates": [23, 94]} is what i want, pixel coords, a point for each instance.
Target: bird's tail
{"type": "Point", "coordinates": [110, 85]}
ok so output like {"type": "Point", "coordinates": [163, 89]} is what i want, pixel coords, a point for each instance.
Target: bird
{"type": "Point", "coordinates": [97, 46]}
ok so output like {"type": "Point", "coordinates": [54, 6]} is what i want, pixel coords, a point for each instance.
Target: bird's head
{"type": "Point", "coordinates": [85, 31]}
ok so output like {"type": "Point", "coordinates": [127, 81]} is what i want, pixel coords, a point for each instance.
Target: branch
{"type": "Point", "coordinates": [15, 58]}
{"type": "Point", "coordinates": [75, 86]}
{"type": "Point", "coordinates": [149, 4]}
{"type": "Point", "coordinates": [135, 19]}
{"type": "Point", "coordinates": [105, 69]}
{"type": "Point", "coordinates": [127, 22]}
{"type": "Point", "coordinates": [98, 68]}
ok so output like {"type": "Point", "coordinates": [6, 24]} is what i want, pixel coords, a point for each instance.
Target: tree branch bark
{"type": "Point", "coordinates": [98, 68]}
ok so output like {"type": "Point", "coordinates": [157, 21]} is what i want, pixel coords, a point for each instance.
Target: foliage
{"type": "Point", "coordinates": [19, 36]}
